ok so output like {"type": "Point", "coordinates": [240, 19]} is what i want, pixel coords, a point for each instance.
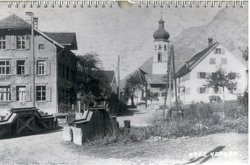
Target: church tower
{"type": "Point", "coordinates": [161, 46]}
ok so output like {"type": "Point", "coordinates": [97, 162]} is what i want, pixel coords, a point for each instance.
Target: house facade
{"type": "Point", "coordinates": [192, 76]}
{"type": "Point", "coordinates": [40, 74]}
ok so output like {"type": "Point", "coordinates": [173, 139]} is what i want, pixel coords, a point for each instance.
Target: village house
{"type": "Point", "coordinates": [40, 74]}
{"type": "Point", "coordinates": [192, 76]}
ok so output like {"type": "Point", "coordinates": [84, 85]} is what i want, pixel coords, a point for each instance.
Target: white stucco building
{"type": "Point", "coordinates": [192, 76]}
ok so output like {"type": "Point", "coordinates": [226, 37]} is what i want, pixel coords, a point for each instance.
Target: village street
{"type": "Point", "coordinates": [48, 148]}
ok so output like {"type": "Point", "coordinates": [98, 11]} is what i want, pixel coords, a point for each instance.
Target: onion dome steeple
{"type": "Point", "coordinates": [161, 34]}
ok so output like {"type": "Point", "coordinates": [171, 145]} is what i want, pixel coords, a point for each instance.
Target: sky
{"type": "Point", "coordinates": [110, 32]}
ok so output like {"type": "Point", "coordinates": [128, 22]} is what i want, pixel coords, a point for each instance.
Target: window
{"type": "Point", "coordinates": [41, 67]}
{"type": "Point", "coordinates": [40, 93]}
{"type": "Point", "coordinates": [4, 67]}
{"type": "Point", "coordinates": [232, 76]}
{"type": "Point", "coordinates": [202, 90]}
{"type": "Point", "coordinates": [159, 57]}
{"type": "Point", "coordinates": [218, 51]}
{"type": "Point", "coordinates": [223, 61]}
{"type": "Point", "coordinates": [4, 93]}
{"type": "Point", "coordinates": [187, 91]}
{"type": "Point", "coordinates": [21, 67]}
{"type": "Point", "coordinates": [2, 42]}
{"type": "Point", "coordinates": [67, 73]}
{"type": "Point", "coordinates": [20, 42]}
{"type": "Point", "coordinates": [159, 47]}
{"type": "Point", "coordinates": [72, 75]}
{"type": "Point", "coordinates": [155, 47]}
{"type": "Point", "coordinates": [201, 75]}
{"type": "Point", "coordinates": [165, 47]}
{"type": "Point", "coordinates": [21, 93]}
{"type": "Point", "coordinates": [63, 71]}
{"type": "Point", "coordinates": [163, 94]}
{"type": "Point", "coordinates": [41, 46]}
{"type": "Point", "coordinates": [212, 60]}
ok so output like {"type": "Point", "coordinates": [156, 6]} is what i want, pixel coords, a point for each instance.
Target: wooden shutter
{"type": "Point", "coordinates": [208, 75]}
{"type": "Point", "coordinates": [198, 90]}
{"type": "Point", "coordinates": [220, 90]}
{"type": "Point", "coordinates": [207, 90]}
{"type": "Point", "coordinates": [48, 66]}
{"type": "Point", "coordinates": [13, 42]}
{"type": "Point", "coordinates": [28, 93]}
{"type": "Point", "coordinates": [8, 42]}
{"type": "Point", "coordinates": [13, 93]}
{"type": "Point", "coordinates": [222, 50]}
{"type": "Point", "coordinates": [27, 42]}
{"type": "Point", "coordinates": [27, 67]}
{"type": "Point", "coordinates": [48, 93]}
{"type": "Point", "coordinates": [198, 74]}
{"type": "Point", "coordinates": [13, 67]}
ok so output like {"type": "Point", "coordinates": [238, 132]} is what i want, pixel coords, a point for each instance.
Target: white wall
{"type": "Point", "coordinates": [233, 65]}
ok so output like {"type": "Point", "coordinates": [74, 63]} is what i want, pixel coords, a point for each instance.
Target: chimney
{"type": "Point", "coordinates": [35, 22]}
{"type": "Point", "coordinates": [210, 41]}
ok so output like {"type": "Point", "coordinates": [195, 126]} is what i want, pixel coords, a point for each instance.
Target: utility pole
{"type": "Point", "coordinates": [31, 14]}
{"type": "Point", "coordinates": [118, 77]}
{"type": "Point", "coordinates": [174, 77]}
{"type": "Point", "coordinates": [167, 83]}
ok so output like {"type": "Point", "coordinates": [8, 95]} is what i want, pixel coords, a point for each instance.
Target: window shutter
{"type": "Point", "coordinates": [222, 51]}
{"type": "Point", "coordinates": [27, 67]}
{"type": "Point", "coordinates": [27, 42]}
{"type": "Point", "coordinates": [48, 93]}
{"type": "Point", "coordinates": [207, 90]}
{"type": "Point", "coordinates": [220, 90]}
{"type": "Point", "coordinates": [28, 93]}
{"type": "Point", "coordinates": [48, 64]}
{"type": "Point", "coordinates": [13, 42]}
{"type": "Point", "coordinates": [13, 66]}
{"type": "Point", "coordinates": [198, 74]}
{"type": "Point", "coordinates": [8, 42]}
{"type": "Point", "coordinates": [198, 90]}
{"type": "Point", "coordinates": [13, 93]}
{"type": "Point", "coordinates": [208, 74]}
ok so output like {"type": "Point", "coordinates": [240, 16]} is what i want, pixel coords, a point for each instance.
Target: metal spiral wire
{"type": "Point", "coordinates": [111, 3]}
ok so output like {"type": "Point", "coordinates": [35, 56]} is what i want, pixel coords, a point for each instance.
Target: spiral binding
{"type": "Point", "coordinates": [110, 3]}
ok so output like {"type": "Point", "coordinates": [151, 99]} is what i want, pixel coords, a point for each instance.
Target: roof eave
{"type": "Point", "coordinates": [198, 61]}
{"type": "Point", "coordinates": [50, 39]}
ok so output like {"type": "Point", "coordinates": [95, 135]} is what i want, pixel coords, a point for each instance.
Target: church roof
{"type": "Point", "coordinates": [161, 34]}
{"type": "Point", "coordinates": [155, 78]}
{"type": "Point", "coordinates": [14, 22]}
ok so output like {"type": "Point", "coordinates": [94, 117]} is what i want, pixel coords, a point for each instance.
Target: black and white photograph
{"type": "Point", "coordinates": [124, 82]}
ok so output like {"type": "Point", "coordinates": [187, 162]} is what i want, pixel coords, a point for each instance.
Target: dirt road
{"type": "Point", "coordinates": [48, 148]}
{"type": "Point", "coordinates": [45, 149]}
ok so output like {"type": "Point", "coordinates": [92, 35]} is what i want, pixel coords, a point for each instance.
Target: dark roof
{"type": "Point", "coordinates": [189, 64]}
{"type": "Point", "coordinates": [110, 75]}
{"type": "Point", "coordinates": [14, 22]}
{"type": "Point", "coordinates": [155, 79]}
{"type": "Point", "coordinates": [64, 38]}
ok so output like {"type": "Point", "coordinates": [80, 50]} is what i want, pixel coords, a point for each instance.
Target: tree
{"type": "Point", "coordinates": [91, 82]}
{"type": "Point", "coordinates": [221, 78]}
{"type": "Point", "coordinates": [151, 96]}
{"type": "Point", "coordinates": [132, 84]}
{"type": "Point", "coordinates": [244, 53]}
